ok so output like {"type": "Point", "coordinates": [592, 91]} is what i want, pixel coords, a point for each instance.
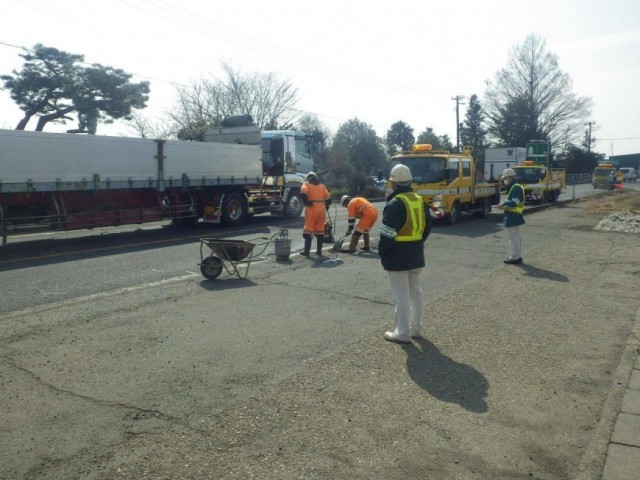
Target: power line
{"type": "Point", "coordinates": [623, 138]}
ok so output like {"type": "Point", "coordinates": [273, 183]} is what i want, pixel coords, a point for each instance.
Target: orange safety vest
{"type": "Point", "coordinates": [315, 193]}
{"type": "Point", "coordinates": [357, 206]}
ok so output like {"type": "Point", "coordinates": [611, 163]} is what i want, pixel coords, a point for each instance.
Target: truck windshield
{"type": "Point", "coordinates": [528, 175]}
{"type": "Point", "coordinates": [603, 171]}
{"type": "Point", "coordinates": [424, 170]}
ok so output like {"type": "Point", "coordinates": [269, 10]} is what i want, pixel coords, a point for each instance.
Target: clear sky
{"type": "Point", "coordinates": [380, 62]}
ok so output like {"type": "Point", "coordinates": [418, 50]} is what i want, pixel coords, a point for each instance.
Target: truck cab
{"type": "Point", "coordinates": [601, 177]}
{"type": "Point", "coordinates": [286, 160]}
{"type": "Point", "coordinates": [541, 184]}
{"type": "Point", "coordinates": [447, 182]}
{"type": "Point", "coordinates": [286, 151]}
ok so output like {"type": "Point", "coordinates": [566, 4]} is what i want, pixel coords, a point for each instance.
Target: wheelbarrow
{"type": "Point", "coordinates": [234, 256]}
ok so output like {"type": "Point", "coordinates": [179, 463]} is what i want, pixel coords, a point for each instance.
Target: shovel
{"type": "Point", "coordinates": [337, 246]}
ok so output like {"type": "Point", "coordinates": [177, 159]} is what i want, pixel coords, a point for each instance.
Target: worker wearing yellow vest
{"type": "Point", "coordinates": [362, 209]}
{"type": "Point", "coordinates": [513, 207]}
{"type": "Point", "coordinates": [406, 224]}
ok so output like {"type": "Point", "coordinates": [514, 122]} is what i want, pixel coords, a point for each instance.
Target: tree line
{"type": "Point", "coordinates": [530, 98]}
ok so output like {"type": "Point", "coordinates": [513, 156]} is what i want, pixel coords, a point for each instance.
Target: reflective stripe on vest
{"type": "Point", "coordinates": [518, 210]}
{"type": "Point", "coordinates": [414, 227]}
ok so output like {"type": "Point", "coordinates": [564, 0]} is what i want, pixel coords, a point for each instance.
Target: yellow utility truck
{"type": "Point", "coordinates": [601, 177]}
{"type": "Point", "coordinates": [448, 182]}
{"type": "Point", "coordinates": [541, 184]}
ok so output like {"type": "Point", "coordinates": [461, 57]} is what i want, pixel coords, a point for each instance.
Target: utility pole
{"type": "Point", "coordinates": [589, 137]}
{"type": "Point", "coordinates": [457, 98]}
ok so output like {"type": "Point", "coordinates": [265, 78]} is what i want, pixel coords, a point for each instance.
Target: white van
{"type": "Point", "coordinates": [629, 174]}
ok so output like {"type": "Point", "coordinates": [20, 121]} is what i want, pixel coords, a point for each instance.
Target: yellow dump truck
{"type": "Point", "coordinates": [541, 184]}
{"type": "Point", "coordinates": [447, 181]}
{"type": "Point", "coordinates": [601, 177]}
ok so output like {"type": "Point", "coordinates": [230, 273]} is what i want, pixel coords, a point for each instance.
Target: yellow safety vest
{"type": "Point", "coordinates": [414, 227]}
{"type": "Point", "coordinates": [515, 209]}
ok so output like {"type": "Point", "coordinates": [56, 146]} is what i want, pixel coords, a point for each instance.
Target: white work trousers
{"type": "Point", "coordinates": [407, 292]}
{"type": "Point", "coordinates": [515, 243]}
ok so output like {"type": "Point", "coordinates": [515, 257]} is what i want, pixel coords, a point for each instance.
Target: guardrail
{"type": "Point", "coordinates": [575, 178]}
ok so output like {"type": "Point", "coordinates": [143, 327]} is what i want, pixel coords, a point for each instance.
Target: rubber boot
{"type": "Point", "coordinates": [307, 246]}
{"type": "Point", "coordinates": [320, 240]}
{"type": "Point", "coordinates": [355, 238]}
{"type": "Point", "coordinates": [365, 239]}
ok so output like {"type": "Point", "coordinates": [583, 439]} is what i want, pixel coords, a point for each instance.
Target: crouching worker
{"type": "Point", "coordinates": [359, 208]}
{"type": "Point", "coordinates": [317, 199]}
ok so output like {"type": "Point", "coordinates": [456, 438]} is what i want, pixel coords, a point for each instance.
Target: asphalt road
{"type": "Point", "coordinates": [52, 267]}
{"type": "Point", "coordinates": [125, 362]}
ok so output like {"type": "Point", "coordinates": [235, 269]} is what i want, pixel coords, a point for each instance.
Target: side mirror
{"type": "Point", "coordinates": [380, 175]}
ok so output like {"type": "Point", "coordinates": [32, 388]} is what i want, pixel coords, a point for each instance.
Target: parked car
{"type": "Point", "coordinates": [629, 174]}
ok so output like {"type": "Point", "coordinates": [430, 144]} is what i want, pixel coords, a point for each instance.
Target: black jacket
{"type": "Point", "coordinates": [397, 256]}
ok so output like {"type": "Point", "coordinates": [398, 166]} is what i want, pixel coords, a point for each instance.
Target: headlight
{"type": "Point", "coordinates": [436, 210]}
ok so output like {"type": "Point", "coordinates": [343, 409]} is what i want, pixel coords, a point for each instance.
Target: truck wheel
{"type": "Point", "coordinates": [234, 209]}
{"type": "Point", "coordinates": [211, 267]}
{"type": "Point", "coordinates": [454, 216]}
{"type": "Point", "coordinates": [486, 209]}
{"type": "Point", "coordinates": [553, 197]}
{"type": "Point", "coordinates": [293, 208]}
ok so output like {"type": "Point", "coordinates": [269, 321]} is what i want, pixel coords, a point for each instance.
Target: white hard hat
{"type": "Point", "coordinates": [344, 200]}
{"type": "Point", "coordinates": [400, 174]}
{"type": "Point", "coordinates": [311, 175]}
{"type": "Point", "coordinates": [509, 172]}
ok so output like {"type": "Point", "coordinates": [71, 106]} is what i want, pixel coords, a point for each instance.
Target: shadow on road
{"type": "Point", "coordinates": [470, 227]}
{"type": "Point", "coordinates": [535, 272]}
{"type": "Point", "coordinates": [225, 283]}
{"type": "Point", "coordinates": [444, 378]}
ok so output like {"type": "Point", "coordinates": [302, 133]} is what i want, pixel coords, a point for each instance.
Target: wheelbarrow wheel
{"type": "Point", "coordinates": [211, 267]}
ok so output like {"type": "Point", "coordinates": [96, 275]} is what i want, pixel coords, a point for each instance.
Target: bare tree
{"type": "Point", "coordinates": [531, 98]}
{"type": "Point", "coordinates": [206, 103]}
{"type": "Point", "coordinates": [145, 128]}
{"type": "Point", "coordinates": [199, 106]}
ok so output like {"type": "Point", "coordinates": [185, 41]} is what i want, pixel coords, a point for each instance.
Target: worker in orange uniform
{"type": "Point", "coordinates": [367, 213]}
{"type": "Point", "coordinates": [317, 199]}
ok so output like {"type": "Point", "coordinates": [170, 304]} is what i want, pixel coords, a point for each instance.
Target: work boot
{"type": "Point", "coordinates": [355, 238]}
{"type": "Point", "coordinates": [320, 241]}
{"type": "Point", "coordinates": [365, 239]}
{"type": "Point", "coordinates": [307, 246]}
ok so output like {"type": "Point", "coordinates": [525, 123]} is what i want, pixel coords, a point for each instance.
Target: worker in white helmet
{"type": "Point", "coordinates": [513, 207]}
{"type": "Point", "coordinates": [406, 224]}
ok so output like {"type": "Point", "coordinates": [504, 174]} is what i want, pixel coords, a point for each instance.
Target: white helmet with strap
{"type": "Point", "coordinates": [400, 174]}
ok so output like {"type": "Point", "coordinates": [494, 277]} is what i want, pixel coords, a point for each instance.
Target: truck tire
{"type": "Point", "coordinates": [454, 216]}
{"type": "Point", "coordinates": [234, 209]}
{"type": "Point", "coordinates": [486, 209]}
{"type": "Point", "coordinates": [293, 207]}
